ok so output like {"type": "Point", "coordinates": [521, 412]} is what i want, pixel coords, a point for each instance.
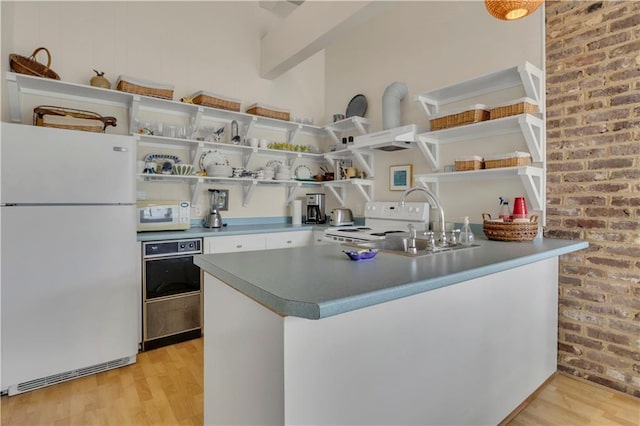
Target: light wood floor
{"type": "Point", "coordinates": [165, 387]}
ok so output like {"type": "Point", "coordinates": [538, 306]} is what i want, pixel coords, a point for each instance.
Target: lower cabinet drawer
{"type": "Point", "coordinates": [170, 316]}
{"type": "Point", "coordinates": [234, 243]}
{"type": "Point", "coordinates": [288, 239]}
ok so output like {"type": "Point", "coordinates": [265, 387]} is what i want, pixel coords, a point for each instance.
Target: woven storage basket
{"type": "Point", "coordinates": [509, 231]}
{"type": "Point", "coordinates": [264, 111]}
{"type": "Point", "coordinates": [215, 101]}
{"type": "Point", "coordinates": [470, 115]}
{"type": "Point", "coordinates": [520, 106]}
{"type": "Point", "coordinates": [512, 159]}
{"type": "Point", "coordinates": [147, 88]}
{"type": "Point", "coordinates": [30, 66]}
{"type": "Point", "coordinates": [469, 163]}
{"type": "Point", "coordinates": [72, 119]}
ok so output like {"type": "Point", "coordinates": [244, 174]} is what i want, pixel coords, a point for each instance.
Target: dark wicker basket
{"type": "Point", "coordinates": [30, 66]}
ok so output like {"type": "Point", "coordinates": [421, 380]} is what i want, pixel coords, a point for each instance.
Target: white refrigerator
{"type": "Point", "coordinates": [69, 280]}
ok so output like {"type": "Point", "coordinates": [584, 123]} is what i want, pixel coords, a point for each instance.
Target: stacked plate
{"type": "Point", "coordinates": [269, 173]}
{"type": "Point", "coordinates": [283, 172]}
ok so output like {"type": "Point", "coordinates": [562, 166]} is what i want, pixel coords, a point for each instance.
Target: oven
{"type": "Point", "coordinates": [171, 292]}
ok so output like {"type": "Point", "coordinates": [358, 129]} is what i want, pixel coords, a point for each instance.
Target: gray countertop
{"type": "Point", "coordinates": [320, 281]}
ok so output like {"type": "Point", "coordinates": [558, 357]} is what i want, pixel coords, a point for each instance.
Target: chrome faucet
{"type": "Point", "coordinates": [432, 198]}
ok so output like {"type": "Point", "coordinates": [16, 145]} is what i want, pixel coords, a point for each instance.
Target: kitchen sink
{"type": "Point", "coordinates": [400, 245]}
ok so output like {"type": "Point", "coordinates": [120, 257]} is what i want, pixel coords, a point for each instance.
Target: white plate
{"type": "Point", "coordinates": [212, 157]}
{"type": "Point", "coordinates": [156, 157]}
{"type": "Point", "coordinates": [274, 164]}
{"type": "Point", "coordinates": [302, 172]}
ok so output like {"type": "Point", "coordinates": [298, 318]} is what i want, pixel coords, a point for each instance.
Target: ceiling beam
{"type": "Point", "coordinates": [310, 28]}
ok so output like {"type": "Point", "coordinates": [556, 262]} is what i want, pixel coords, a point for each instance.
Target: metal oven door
{"type": "Point", "coordinates": [171, 293]}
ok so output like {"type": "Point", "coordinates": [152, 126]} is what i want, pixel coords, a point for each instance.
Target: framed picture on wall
{"type": "Point", "coordinates": [400, 177]}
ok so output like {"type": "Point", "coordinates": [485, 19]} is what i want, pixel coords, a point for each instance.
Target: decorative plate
{"type": "Point", "coordinates": [357, 106]}
{"type": "Point", "coordinates": [274, 164]}
{"type": "Point", "coordinates": [302, 172]}
{"type": "Point", "coordinates": [212, 157]}
{"type": "Point", "coordinates": [154, 157]}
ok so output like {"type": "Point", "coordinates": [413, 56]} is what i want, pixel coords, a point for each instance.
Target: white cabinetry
{"type": "Point", "coordinates": [249, 242]}
{"type": "Point", "coordinates": [532, 127]}
{"type": "Point", "coordinates": [234, 243]}
{"type": "Point", "coordinates": [288, 239]}
{"type": "Point", "coordinates": [318, 239]}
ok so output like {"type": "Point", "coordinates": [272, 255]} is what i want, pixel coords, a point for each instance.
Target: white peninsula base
{"type": "Point", "coordinates": [465, 354]}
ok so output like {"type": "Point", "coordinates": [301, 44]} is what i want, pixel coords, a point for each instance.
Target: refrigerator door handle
{"type": "Point", "coordinates": [120, 149]}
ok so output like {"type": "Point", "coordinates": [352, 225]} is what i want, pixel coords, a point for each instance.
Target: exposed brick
{"type": "Point", "coordinates": [584, 341]}
{"type": "Point", "coordinates": [623, 352]}
{"type": "Point", "coordinates": [583, 364]}
{"type": "Point", "coordinates": [608, 187]}
{"type": "Point", "coordinates": [584, 317]}
{"type": "Point", "coordinates": [562, 234]}
{"type": "Point", "coordinates": [606, 115]}
{"type": "Point", "coordinates": [625, 327]}
{"type": "Point", "coordinates": [632, 47]}
{"type": "Point", "coordinates": [586, 153]}
{"type": "Point", "coordinates": [565, 166]}
{"type": "Point", "coordinates": [603, 358]}
{"type": "Point", "coordinates": [632, 98]}
{"type": "Point", "coordinates": [629, 22]}
{"type": "Point", "coordinates": [585, 295]}
{"type": "Point", "coordinates": [625, 75]}
{"type": "Point", "coordinates": [608, 41]}
{"type": "Point", "coordinates": [585, 223]}
{"type": "Point", "coordinates": [608, 288]}
{"type": "Point", "coordinates": [582, 270]}
{"type": "Point", "coordinates": [563, 347]}
{"type": "Point", "coordinates": [633, 251]}
{"type": "Point", "coordinates": [608, 336]}
{"type": "Point", "coordinates": [608, 383]}
{"type": "Point", "coordinates": [624, 226]}
{"type": "Point", "coordinates": [611, 237]}
{"type": "Point", "coordinates": [609, 91]}
{"type": "Point", "coordinates": [585, 131]}
{"type": "Point", "coordinates": [590, 200]}
{"type": "Point", "coordinates": [605, 309]}
{"type": "Point", "coordinates": [631, 149]}
{"type": "Point", "coordinates": [613, 163]}
{"type": "Point", "coordinates": [570, 326]}
{"type": "Point", "coordinates": [585, 176]}
{"type": "Point", "coordinates": [614, 263]}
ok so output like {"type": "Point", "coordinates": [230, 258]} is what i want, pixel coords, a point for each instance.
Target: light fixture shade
{"type": "Point", "coordinates": [509, 10]}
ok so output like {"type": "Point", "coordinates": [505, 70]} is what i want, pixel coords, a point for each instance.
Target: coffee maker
{"type": "Point", "coordinates": [315, 208]}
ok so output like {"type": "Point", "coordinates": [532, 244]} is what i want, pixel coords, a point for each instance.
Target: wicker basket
{"type": "Point", "coordinates": [469, 163]}
{"type": "Point", "coordinates": [510, 231]}
{"type": "Point", "coordinates": [265, 111]}
{"type": "Point", "coordinates": [469, 115]}
{"type": "Point", "coordinates": [30, 66]}
{"type": "Point", "coordinates": [215, 101]}
{"type": "Point", "coordinates": [72, 119]}
{"type": "Point", "coordinates": [520, 106]}
{"type": "Point", "coordinates": [147, 88]}
{"type": "Point", "coordinates": [512, 159]}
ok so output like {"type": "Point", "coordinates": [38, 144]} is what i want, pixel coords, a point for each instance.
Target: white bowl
{"type": "Point", "coordinates": [182, 169]}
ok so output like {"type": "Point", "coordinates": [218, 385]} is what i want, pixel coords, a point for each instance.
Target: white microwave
{"type": "Point", "coordinates": [163, 215]}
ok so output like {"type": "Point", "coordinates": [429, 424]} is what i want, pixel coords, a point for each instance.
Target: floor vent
{"type": "Point", "coordinates": [68, 375]}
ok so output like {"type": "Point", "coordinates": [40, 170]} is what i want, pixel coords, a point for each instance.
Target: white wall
{"type": "Point", "coordinates": [212, 46]}
{"type": "Point", "coordinates": [428, 45]}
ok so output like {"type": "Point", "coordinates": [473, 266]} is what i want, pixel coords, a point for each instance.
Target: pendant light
{"type": "Point", "coordinates": [509, 10]}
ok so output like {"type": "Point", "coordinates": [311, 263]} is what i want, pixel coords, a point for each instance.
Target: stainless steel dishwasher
{"type": "Point", "coordinates": [171, 292]}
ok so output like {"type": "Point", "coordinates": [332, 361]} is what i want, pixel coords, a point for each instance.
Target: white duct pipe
{"type": "Point", "coordinates": [393, 94]}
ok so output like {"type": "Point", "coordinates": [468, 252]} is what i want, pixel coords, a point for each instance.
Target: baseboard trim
{"type": "Point", "coordinates": [527, 400]}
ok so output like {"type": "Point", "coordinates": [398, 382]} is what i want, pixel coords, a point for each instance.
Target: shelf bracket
{"type": "Point", "coordinates": [430, 152]}
{"type": "Point", "coordinates": [533, 186]}
{"type": "Point", "coordinates": [333, 135]}
{"type": "Point", "coordinates": [338, 193]}
{"type": "Point", "coordinates": [134, 110]}
{"type": "Point", "coordinates": [248, 156]}
{"type": "Point", "coordinates": [293, 134]}
{"type": "Point", "coordinates": [365, 191]}
{"type": "Point", "coordinates": [15, 100]}
{"type": "Point", "coordinates": [195, 190]}
{"type": "Point", "coordinates": [360, 127]}
{"type": "Point", "coordinates": [532, 82]}
{"type": "Point", "coordinates": [533, 130]}
{"type": "Point", "coordinates": [365, 161]}
{"type": "Point", "coordinates": [247, 191]}
{"type": "Point", "coordinates": [291, 192]}
{"type": "Point", "coordinates": [428, 106]}
{"type": "Point", "coordinates": [250, 124]}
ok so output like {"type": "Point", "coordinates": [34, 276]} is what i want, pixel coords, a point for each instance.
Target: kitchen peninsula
{"type": "Point", "coordinates": [306, 336]}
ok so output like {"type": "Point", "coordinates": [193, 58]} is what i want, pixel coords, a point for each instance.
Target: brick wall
{"type": "Point", "coordinates": [593, 185]}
